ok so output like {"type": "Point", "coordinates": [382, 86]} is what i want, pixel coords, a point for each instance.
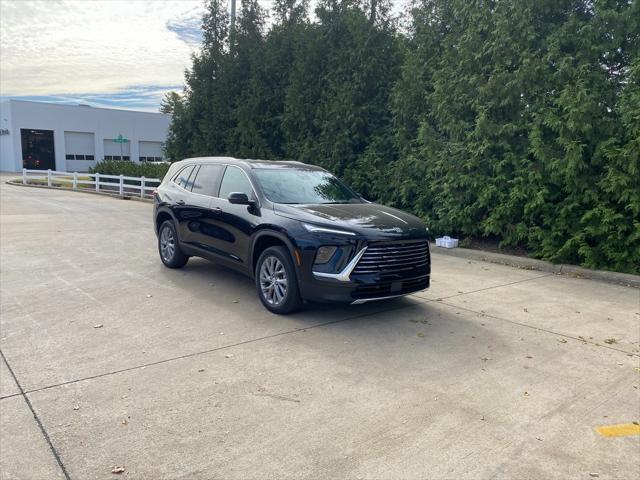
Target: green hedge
{"type": "Point", "coordinates": [130, 169]}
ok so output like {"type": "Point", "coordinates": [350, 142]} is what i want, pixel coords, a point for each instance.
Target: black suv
{"type": "Point", "coordinates": [296, 229]}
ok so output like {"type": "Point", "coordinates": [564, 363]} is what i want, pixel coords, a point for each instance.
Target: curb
{"type": "Point", "coordinates": [526, 263]}
{"type": "Point", "coordinates": [81, 190]}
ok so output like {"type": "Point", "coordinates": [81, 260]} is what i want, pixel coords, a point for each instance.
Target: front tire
{"type": "Point", "coordinates": [276, 281]}
{"type": "Point", "coordinates": [169, 247]}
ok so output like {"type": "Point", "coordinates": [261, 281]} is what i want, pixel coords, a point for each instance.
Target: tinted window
{"type": "Point", "coordinates": [183, 176]}
{"type": "Point", "coordinates": [206, 181]}
{"type": "Point", "coordinates": [192, 177]}
{"type": "Point", "coordinates": [235, 180]}
{"type": "Point", "coordinates": [292, 185]}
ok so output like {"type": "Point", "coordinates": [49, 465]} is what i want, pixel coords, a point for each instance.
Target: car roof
{"type": "Point", "coordinates": [252, 163]}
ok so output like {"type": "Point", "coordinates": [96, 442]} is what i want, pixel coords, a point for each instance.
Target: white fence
{"type": "Point", "coordinates": [117, 184]}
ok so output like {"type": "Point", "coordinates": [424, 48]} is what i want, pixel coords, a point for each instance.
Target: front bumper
{"type": "Point", "coordinates": [350, 286]}
{"type": "Point", "coordinates": [360, 290]}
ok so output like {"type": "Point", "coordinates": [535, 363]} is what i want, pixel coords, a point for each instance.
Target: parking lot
{"type": "Point", "coordinates": [113, 360]}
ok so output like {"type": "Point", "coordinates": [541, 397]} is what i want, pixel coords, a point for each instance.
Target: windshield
{"type": "Point", "coordinates": [291, 185]}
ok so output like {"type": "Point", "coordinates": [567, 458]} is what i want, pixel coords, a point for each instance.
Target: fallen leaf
{"type": "Point", "coordinates": [234, 301]}
{"type": "Point", "coordinates": [526, 309]}
{"type": "Point", "coordinates": [526, 394]}
{"type": "Point", "coordinates": [593, 474]}
{"type": "Point", "coordinates": [201, 370]}
{"type": "Point", "coordinates": [229, 355]}
{"type": "Point", "coordinates": [529, 357]}
{"type": "Point", "coordinates": [76, 407]}
{"type": "Point", "coordinates": [485, 359]}
{"type": "Point", "coordinates": [563, 340]}
{"type": "Point", "coordinates": [420, 334]}
{"type": "Point", "coordinates": [125, 422]}
{"type": "Point", "coordinates": [99, 325]}
{"type": "Point", "coordinates": [118, 470]}
{"type": "Point", "coordinates": [610, 341]}
{"type": "Point", "coordinates": [149, 295]}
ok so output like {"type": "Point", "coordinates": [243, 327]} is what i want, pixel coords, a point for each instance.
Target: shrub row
{"type": "Point", "coordinates": [130, 169]}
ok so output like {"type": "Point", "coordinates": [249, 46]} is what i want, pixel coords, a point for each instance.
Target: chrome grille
{"type": "Point", "coordinates": [393, 258]}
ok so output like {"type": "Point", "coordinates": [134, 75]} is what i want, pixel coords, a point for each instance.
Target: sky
{"type": "Point", "coordinates": [111, 53]}
{"type": "Point", "coordinates": [103, 53]}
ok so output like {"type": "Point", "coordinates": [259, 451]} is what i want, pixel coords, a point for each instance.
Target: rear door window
{"type": "Point", "coordinates": [207, 180]}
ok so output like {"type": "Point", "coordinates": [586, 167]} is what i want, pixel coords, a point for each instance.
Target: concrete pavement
{"type": "Point", "coordinates": [494, 372]}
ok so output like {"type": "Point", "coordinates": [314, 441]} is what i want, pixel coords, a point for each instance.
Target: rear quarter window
{"type": "Point", "coordinates": [182, 178]}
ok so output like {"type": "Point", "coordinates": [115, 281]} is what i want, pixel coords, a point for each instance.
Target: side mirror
{"type": "Point", "coordinates": [239, 198]}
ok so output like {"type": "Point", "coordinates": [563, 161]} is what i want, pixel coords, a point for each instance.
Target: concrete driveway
{"type": "Point", "coordinates": [111, 360]}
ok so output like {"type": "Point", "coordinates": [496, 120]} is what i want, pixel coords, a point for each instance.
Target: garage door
{"type": "Point", "coordinates": [151, 152]}
{"type": "Point", "coordinates": [117, 150]}
{"type": "Point", "coordinates": [79, 146]}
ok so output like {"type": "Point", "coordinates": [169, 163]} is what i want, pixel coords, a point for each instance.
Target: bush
{"type": "Point", "coordinates": [131, 169]}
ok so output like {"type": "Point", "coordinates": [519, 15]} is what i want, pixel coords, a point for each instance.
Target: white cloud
{"type": "Point", "coordinates": [66, 47]}
{"type": "Point", "coordinates": [76, 48]}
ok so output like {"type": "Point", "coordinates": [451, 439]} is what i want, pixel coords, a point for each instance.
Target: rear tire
{"type": "Point", "coordinates": [169, 247]}
{"type": "Point", "coordinates": [276, 281]}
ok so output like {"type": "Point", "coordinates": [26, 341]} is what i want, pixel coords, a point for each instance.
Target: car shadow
{"type": "Point", "coordinates": [425, 320]}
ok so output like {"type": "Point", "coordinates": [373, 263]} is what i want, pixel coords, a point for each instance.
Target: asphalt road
{"type": "Point", "coordinates": [111, 360]}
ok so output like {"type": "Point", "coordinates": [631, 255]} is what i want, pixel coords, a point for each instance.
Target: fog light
{"type": "Point", "coordinates": [324, 254]}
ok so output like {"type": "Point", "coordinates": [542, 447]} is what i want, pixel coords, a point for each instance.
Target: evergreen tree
{"type": "Point", "coordinates": [509, 120]}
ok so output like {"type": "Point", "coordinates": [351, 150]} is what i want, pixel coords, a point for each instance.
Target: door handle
{"type": "Point", "coordinates": [180, 202]}
{"type": "Point", "coordinates": [217, 210]}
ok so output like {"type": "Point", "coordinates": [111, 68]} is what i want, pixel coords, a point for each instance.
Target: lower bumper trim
{"type": "Point", "coordinates": [365, 300]}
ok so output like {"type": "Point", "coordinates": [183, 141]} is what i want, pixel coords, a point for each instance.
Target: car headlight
{"type": "Point", "coordinates": [318, 229]}
{"type": "Point", "coordinates": [324, 254]}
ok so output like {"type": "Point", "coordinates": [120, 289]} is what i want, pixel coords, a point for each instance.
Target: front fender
{"type": "Point", "coordinates": [268, 232]}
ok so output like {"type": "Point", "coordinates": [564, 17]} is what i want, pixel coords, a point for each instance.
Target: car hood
{"type": "Point", "coordinates": [369, 219]}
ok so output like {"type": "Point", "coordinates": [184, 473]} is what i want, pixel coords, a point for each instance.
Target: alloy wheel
{"type": "Point", "coordinates": [167, 244]}
{"type": "Point", "coordinates": [273, 281]}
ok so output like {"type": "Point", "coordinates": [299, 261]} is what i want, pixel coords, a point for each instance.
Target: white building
{"type": "Point", "coordinates": [74, 138]}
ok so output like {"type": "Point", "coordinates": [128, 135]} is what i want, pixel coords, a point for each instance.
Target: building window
{"type": "Point", "coordinates": [70, 156]}
{"type": "Point", "coordinates": [151, 159]}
